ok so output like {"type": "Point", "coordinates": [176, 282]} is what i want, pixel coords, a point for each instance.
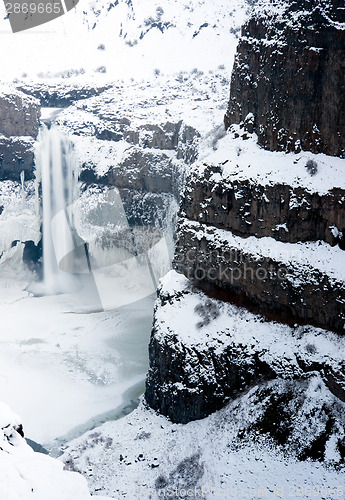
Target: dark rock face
{"type": "Point", "coordinates": [16, 155]}
{"type": "Point", "coordinates": [19, 123]}
{"type": "Point", "coordinates": [289, 73]}
{"type": "Point", "coordinates": [280, 211]}
{"type": "Point", "coordinates": [19, 115]}
{"type": "Point", "coordinates": [188, 383]}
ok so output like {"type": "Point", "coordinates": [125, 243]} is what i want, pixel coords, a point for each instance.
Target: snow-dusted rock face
{"type": "Point", "coordinates": [16, 155]}
{"type": "Point", "coordinates": [19, 122]}
{"type": "Point", "coordinates": [257, 228]}
{"type": "Point", "coordinates": [289, 76]}
{"type": "Point", "coordinates": [301, 283]}
{"type": "Point", "coordinates": [243, 206]}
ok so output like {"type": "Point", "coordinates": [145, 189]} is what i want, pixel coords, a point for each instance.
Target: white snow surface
{"type": "Point", "coordinates": [280, 343]}
{"type": "Point", "coordinates": [26, 474]}
{"type": "Point", "coordinates": [144, 452]}
{"type": "Point", "coordinates": [244, 159]}
{"type": "Point", "coordinates": [136, 38]}
{"type": "Point", "coordinates": [63, 370]}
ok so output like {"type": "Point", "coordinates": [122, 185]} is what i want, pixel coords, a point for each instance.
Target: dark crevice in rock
{"type": "Point", "coordinates": [60, 95]}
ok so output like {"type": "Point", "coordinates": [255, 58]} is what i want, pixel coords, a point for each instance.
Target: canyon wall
{"type": "Point", "coordinates": [260, 232]}
{"type": "Point", "coordinates": [289, 76]}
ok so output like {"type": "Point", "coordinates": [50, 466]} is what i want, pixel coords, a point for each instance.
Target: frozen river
{"type": "Point", "coordinates": [64, 371]}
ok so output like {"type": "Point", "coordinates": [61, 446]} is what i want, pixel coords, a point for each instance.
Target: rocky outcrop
{"type": "Point", "coordinates": [289, 214]}
{"type": "Point", "coordinates": [16, 155]}
{"type": "Point", "coordinates": [19, 114]}
{"type": "Point", "coordinates": [189, 382]}
{"type": "Point", "coordinates": [204, 352]}
{"type": "Point", "coordinates": [277, 283]}
{"type": "Point", "coordinates": [288, 81]}
{"type": "Point", "coordinates": [60, 95]}
{"type": "Point", "coordinates": [149, 182]}
{"type": "Point", "coordinates": [19, 122]}
{"type": "Point", "coordinates": [257, 234]}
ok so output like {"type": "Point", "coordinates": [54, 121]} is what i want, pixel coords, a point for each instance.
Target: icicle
{"type": "Point", "coordinates": [22, 179]}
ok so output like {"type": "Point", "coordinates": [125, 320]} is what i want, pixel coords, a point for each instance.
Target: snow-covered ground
{"type": "Point", "coordinates": [26, 474]}
{"type": "Point", "coordinates": [130, 38]}
{"type": "Point", "coordinates": [235, 452]}
{"type": "Point", "coordinates": [64, 372]}
{"type": "Point", "coordinates": [197, 97]}
{"type": "Point", "coordinates": [144, 455]}
{"type": "Point", "coordinates": [280, 343]}
{"type": "Point", "coordinates": [244, 159]}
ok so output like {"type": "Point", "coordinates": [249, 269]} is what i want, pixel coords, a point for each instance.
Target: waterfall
{"type": "Point", "coordinates": [58, 173]}
{"type": "Point", "coordinates": [126, 270]}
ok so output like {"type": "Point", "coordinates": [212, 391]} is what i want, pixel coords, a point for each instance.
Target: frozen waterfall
{"type": "Point", "coordinates": [90, 247]}
{"type": "Point", "coordinates": [58, 170]}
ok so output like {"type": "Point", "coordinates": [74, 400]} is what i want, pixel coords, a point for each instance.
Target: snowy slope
{"type": "Point", "coordinates": [27, 474]}
{"type": "Point", "coordinates": [138, 37]}
{"type": "Point", "coordinates": [244, 159]}
{"type": "Point", "coordinates": [143, 453]}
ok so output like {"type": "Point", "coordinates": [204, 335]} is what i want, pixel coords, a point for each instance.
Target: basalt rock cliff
{"type": "Point", "coordinates": [289, 76]}
{"type": "Point", "coordinates": [260, 233]}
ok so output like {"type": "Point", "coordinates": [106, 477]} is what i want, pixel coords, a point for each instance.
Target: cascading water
{"type": "Point", "coordinates": [126, 272]}
{"type": "Point", "coordinates": [58, 171]}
